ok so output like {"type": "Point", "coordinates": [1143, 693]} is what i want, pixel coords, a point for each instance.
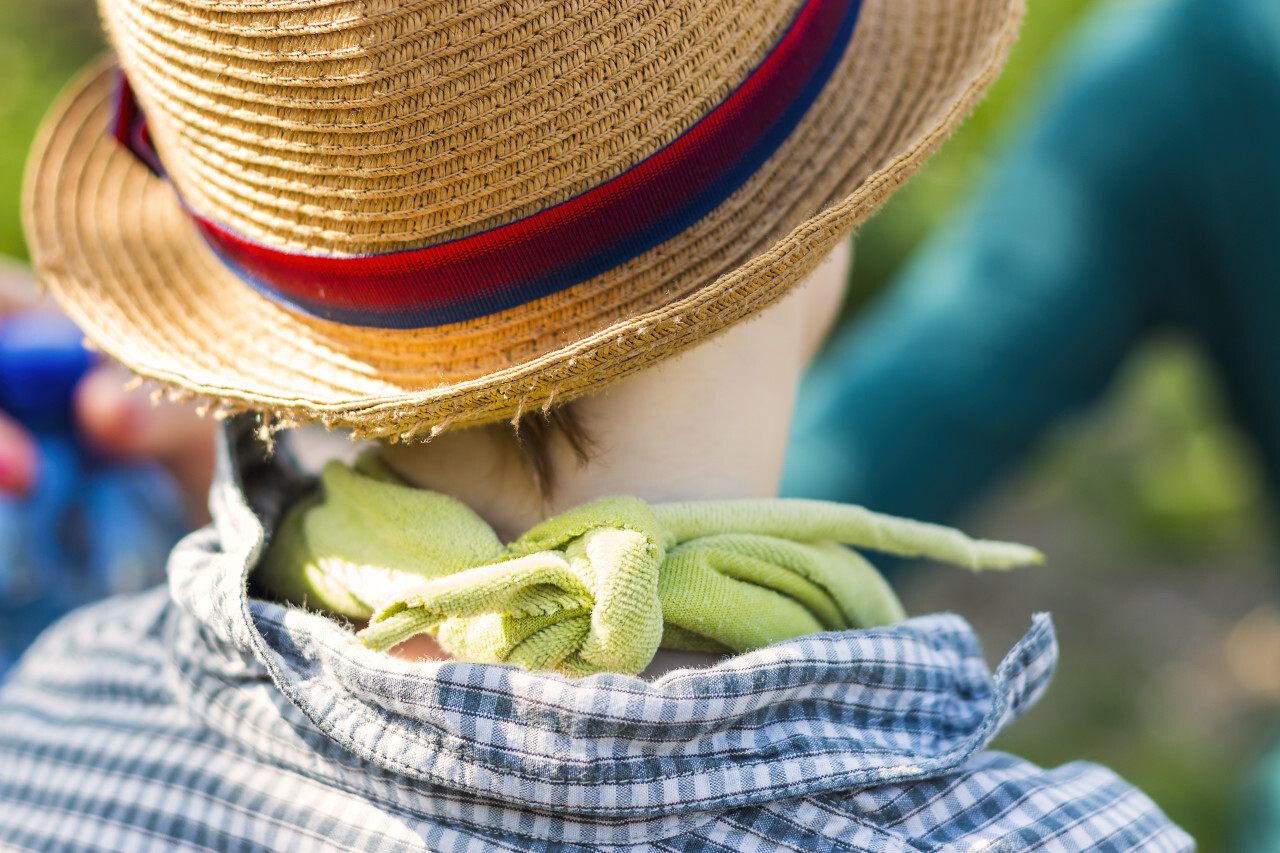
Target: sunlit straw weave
{"type": "Point", "coordinates": [369, 127]}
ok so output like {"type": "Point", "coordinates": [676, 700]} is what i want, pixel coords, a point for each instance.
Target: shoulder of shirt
{"type": "Point", "coordinates": [124, 630]}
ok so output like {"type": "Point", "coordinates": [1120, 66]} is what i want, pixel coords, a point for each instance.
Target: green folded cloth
{"type": "Point", "coordinates": [601, 587]}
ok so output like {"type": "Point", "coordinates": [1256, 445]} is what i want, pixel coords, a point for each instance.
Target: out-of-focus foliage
{"type": "Point", "coordinates": [1161, 463]}
{"type": "Point", "coordinates": [42, 44]}
{"type": "Point", "coordinates": [889, 238]}
{"type": "Point", "coordinates": [1158, 462]}
{"type": "Point", "coordinates": [1153, 513]}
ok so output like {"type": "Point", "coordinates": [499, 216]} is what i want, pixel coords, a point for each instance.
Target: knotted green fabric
{"type": "Point", "coordinates": [601, 587]}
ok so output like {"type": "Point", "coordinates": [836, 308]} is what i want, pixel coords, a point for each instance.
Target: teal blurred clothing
{"type": "Point", "coordinates": [1146, 193]}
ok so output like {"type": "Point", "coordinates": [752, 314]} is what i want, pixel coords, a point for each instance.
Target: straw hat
{"type": "Point", "coordinates": [399, 216]}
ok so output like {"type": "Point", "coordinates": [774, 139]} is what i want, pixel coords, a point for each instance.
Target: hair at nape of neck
{"type": "Point", "coordinates": [533, 435]}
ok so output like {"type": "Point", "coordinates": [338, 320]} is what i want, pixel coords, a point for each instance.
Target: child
{"type": "Point", "coordinates": [431, 220]}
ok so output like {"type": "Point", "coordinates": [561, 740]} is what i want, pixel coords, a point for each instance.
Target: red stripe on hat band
{"type": "Point", "coordinates": [577, 239]}
{"type": "Point", "coordinates": [130, 127]}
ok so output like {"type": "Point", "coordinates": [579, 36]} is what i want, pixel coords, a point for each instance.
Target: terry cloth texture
{"type": "Point", "coordinates": [600, 587]}
{"type": "Point", "coordinates": [202, 719]}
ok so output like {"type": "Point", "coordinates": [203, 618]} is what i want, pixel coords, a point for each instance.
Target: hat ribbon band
{"type": "Point", "coordinates": [568, 243]}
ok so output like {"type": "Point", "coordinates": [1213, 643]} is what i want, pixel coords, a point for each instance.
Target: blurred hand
{"type": "Point", "coordinates": [119, 425]}
{"type": "Point", "coordinates": [125, 426]}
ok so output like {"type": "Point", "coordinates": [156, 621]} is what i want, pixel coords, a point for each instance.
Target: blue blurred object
{"type": "Point", "coordinates": [89, 529]}
{"type": "Point", "coordinates": [42, 357]}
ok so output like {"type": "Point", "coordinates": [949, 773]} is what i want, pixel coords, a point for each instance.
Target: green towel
{"type": "Point", "coordinates": [601, 587]}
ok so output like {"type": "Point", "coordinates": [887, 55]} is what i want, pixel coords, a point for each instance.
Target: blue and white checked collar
{"type": "Point", "coordinates": [572, 759]}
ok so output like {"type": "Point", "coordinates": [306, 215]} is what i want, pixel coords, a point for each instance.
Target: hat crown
{"type": "Point", "coordinates": [371, 127]}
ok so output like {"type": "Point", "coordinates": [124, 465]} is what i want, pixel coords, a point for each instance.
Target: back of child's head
{"type": "Point", "coordinates": [406, 217]}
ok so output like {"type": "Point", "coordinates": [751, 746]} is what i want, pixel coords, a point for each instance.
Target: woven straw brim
{"type": "Point", "coordinates": [114, 245]}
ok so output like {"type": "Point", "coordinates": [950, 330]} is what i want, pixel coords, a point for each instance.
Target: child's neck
{"type": "Point", "coordinates": [711, 424]}
{"type": "Point", "coordinates": [659, 435]}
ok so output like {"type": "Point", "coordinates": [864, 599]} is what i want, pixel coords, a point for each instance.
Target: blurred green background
{"type": "Point", "coordinates": [42, 45]}
{"type": "Point", "coordinates": [1149, 507]}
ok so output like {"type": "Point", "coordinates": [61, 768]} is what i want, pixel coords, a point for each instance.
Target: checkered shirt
{"type": "Point", "coordinates": [201, 718]}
